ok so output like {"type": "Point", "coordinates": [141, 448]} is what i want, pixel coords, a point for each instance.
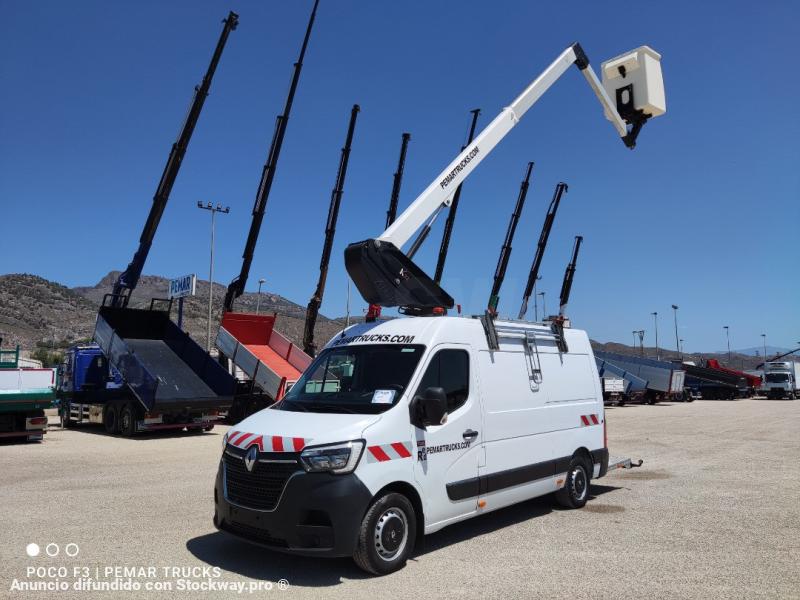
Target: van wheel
{"type": "Point", "coordinates": [127, 421]}
{"type": "Point", "coordinates": [110, 420]}
{"type": "Point", "coordinates": [387, 535]}
{"type": "Point", "coordinates": [575, 492]}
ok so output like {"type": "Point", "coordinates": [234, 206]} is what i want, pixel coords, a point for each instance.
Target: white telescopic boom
{"type": "Point", "coordinates": [440, 191]}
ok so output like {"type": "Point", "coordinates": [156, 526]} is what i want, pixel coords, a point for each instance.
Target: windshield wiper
{"type": "Point", "coordinates": [333, 407]}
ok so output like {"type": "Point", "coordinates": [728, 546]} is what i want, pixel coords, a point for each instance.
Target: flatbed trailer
{"type": "Point", "coordinates": [167, 381]}
{"type": "Point", "coordinates": [25, 393]}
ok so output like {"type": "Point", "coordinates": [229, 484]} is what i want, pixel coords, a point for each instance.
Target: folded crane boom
{"type": "Point", "coordinates": [129, 278]}
{"type": "Point", "coordinates": [236, 287]}
{"type": "Point", "coordinates": [505, 251]}
{"type": "Point", "coordinates": [397, 181]}
{"type": "Point", "coordinates": [312, 311]}
{"type": "Point", "coordinates": [386, 276]}
{"type": "Point", "coordinates": [451, 215]}
{"type": "Point", "coordinates": [533, 276]}
{"type": "Point", "coordinates": [374, 310]}
{"type": "Point", "coordinates": [569, 275]}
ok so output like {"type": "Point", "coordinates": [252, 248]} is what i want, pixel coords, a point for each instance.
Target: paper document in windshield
{"type": "Point", "coordinates": [383, 397]}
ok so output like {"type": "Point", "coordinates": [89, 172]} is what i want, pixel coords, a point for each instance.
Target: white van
{"type": "Point", "coordinates": [402, 427]}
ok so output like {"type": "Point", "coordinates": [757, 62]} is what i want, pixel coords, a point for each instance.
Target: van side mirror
{"type": "Point", "coordinates": [430, 408]}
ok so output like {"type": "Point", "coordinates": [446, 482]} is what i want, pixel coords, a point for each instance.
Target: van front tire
{"type": "Point", "coordinates": [387, 535]}
{"type": "Point", "coordinates": [575, 492]}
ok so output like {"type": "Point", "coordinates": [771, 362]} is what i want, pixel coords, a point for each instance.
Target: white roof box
{"type": "Point", "coordinates": [633, 80]}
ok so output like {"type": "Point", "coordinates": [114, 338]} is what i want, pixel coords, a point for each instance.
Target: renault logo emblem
{"type": "Point", "coordinates": [250, 458]}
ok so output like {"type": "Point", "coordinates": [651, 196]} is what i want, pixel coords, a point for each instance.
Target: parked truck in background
{"type": "Point", "coordinates": [613, 390]}
{"type": "Point", "coordinates": [25, 393]}
{"type": "Point", "coordinates": [781, 379]}
{"type": "Point", "coordinates": [143, 374]}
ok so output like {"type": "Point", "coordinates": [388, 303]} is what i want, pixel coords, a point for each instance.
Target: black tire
{"type": "Point", "coordinates": [127, 420]}
{"type": "Point", "coordinates": [387, 535]}
{"type": "Point", "coordinates": [111, 419]}
{"type": "Point", "coordinates": [66, 422]}
{"type": "Point", "coordinates": [575, 492]}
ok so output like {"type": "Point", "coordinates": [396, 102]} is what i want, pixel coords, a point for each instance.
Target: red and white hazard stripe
{"type": "Point", "coordinates": [587, 420]}
{"type": "Point", "coordinates": [384, 452]}
{"type": "Point", "coordinates": [267, 443]}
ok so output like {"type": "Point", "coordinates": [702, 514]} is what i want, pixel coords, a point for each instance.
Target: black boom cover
{"type": "Point", "coordinates": [387, 277]}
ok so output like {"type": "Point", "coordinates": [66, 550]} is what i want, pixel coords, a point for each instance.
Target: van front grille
{"type": "Point", "coordinates": [261, 488]}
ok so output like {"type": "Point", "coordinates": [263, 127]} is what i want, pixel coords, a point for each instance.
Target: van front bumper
{"type": "Point", "coordinates": [318, 514]}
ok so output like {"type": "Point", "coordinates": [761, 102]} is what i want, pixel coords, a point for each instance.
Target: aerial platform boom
{"type": "Point", "coordinates": [386, 276]}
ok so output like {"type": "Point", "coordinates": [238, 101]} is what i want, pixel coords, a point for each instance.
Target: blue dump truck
{"type": "Point", "coordinates": [143, 374]}
{"type": "Point", "coordinates": [25, 393]}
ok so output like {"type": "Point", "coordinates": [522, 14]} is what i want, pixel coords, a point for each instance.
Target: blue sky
{"type": "Point", "coordinates": [704, 213]}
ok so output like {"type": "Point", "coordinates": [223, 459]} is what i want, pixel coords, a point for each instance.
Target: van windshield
{"type": "Point", "coordinates": [366, 379]}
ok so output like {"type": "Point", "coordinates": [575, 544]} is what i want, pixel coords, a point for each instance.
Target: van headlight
{"type": "Point", "coordinates": [225, 440]}
{"type": "Point", "coordinates": [335, 458]}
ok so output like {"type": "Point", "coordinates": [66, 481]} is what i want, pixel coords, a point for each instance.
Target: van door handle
{"type": "Point", "coordinates": [469, 434]}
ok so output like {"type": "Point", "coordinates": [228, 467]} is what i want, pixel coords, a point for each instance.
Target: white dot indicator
{"type": "Point", "coordinates": [72, 549]}
{"type": "Point", "coordinates": [52, 549]}
{"type": "Point", "coordinates": [32, 550]}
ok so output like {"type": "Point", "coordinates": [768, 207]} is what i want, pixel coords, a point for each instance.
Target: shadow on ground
{"type": "Point", "coordinates": [99, 430]}
{"type": "Point", "coordinates": [230, 554]}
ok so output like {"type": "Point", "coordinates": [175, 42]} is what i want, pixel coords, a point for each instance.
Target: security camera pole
{"type": "Point", "coordinates": [214, 210]}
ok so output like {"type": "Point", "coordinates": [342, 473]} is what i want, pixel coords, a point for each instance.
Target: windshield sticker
{"type": "Point", "coordinates": [375, 337]}
{"type": "Point", "coordinates": [383, 397]}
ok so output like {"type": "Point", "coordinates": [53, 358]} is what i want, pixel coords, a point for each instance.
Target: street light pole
{"type": "Point", "coordinates": [764, 337]}
{"type": "Point", "coordinates": [258, 299]}
{"type": "Point", "coordinates": [213, 210]}
{"type": "Point", "coordinates": [641, 341]}
{"type": "Point", "coordinates": [535, 304]}
{"type": "Point", "coordinates": [728, 337]}
{"type": "Point", "coordinates": [677, 340]}
{"type": "Point", "coordinates": [681, 347]}
{"type": "Point", "coordinates": [544, 307]}
{"type": "Point", "coordinates": [655, 323]}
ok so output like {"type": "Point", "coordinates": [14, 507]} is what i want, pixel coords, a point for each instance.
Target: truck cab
{"type": "Point", "coordinates": [781, 379]}
{"type": "Point", "coordinates": [85, 373]}
{"type": "Point", "coordinates": [400, 428]}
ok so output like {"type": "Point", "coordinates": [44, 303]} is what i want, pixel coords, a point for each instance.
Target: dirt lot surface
{"type": "Point", "coordinates": [712, 513]}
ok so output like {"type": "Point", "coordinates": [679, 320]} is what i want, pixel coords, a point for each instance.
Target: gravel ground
{"type": "Point", "coordinates": [712, 514]}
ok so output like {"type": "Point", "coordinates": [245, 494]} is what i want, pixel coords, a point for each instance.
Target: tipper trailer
{"type": "Point", "coordinates": [400, 428]}
{"type": "Point", "coordinates": [268, 359]}
{"type": "Point", "coordinates": [25, 393]}
{"type": "Point", "coordinates": [753, 382]}
{"type": "Point", "coordinates": [633, 387]}
{"type": "Point", "coordinates": [664, 380]}
{"type": "Point", "coordinates": [714, 384]}
{"type": "Point", "coordinates": [166, 380]}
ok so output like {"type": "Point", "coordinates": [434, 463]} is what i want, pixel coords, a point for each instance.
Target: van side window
{"type": "Point", "coordinates": [449, 369]}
